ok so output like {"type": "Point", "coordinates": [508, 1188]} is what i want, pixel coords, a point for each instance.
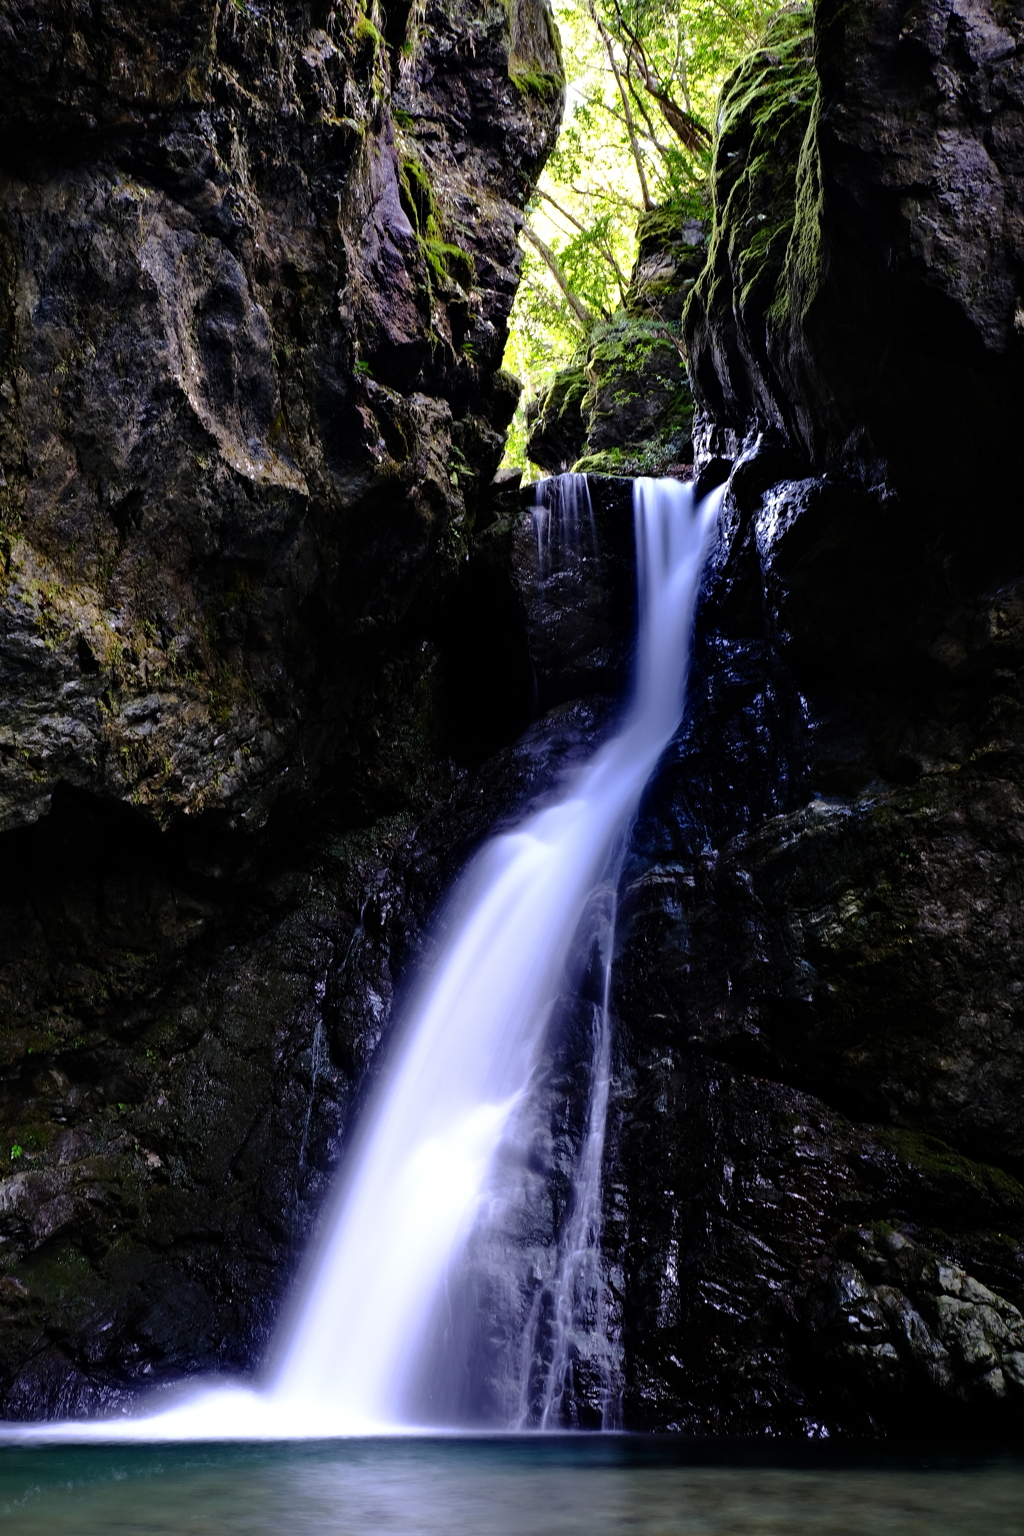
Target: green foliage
{"type": "Point", "coordinates": [445, 261]}
{"type": "Point", "coordinates": [650, 460]}
{"type": "Point", "coordinates": [643, 79]}
{"type": "Point", "coordinates": [365, 31]}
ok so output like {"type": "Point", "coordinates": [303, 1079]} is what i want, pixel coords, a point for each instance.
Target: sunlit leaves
{"type": "Point", "coordinates": [643, 78]}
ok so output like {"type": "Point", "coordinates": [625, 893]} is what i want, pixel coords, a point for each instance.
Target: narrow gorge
{"type": "Point", "coordinates": [280, 649]}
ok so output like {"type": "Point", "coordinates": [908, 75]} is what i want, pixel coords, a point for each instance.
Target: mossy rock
{"type": "Point", "coordinates": [671, 253]}
{"type": "Point", "coordinates": [763, 192]}
{"type": "Point", "coordinates": [559, 430]}
{"type": "Point", "coordinates": [959, 1180]}
{"type": "Point", "coordinates": [639, 398]}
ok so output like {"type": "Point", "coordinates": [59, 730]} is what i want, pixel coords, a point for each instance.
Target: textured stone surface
{"type": "Point", "coordinates": [256, 270]}
{"type": "Point", "coordinates": [866, 268]}
{"type": "Point", "coordinates": [814, 1218]}
{"type": "Point", "coordinates": [818, 991]}
{"type": "Point", "coordinates": [256, 263]}
{"type": "Point", "coordinates": [578, 589]}
{"type": "Point", "coordinates": [178, 1060]}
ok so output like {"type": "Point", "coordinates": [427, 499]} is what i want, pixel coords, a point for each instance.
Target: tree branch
{"type": "Point", "coordinates": [664, 150]}
{"type": "Point", "coordinates": [554, 266]}
{"type": "Point", "coordinates": [609, 48]}
{"type": "Point", "coordinates": [608, 197]}
{"type": "Point", "coordinates": [601, 246]}
{"type": "Point", "coordinates": [690, 132]}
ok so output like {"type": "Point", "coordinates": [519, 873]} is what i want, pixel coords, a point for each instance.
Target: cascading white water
{"type": "Point", "coordinates": [463, 1062]}
{"type": "Point", "coordinates": [565, 524]}
{"type": "Point", "coordinates": [569, 1310]}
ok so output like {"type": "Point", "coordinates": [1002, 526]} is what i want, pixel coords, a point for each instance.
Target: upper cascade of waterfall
{"type": "Point", "coordinates": [563, 518]}
{"type": "Point", "coordinates": [464, 1056]}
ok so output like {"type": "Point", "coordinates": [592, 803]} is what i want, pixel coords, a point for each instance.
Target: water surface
{"type": "Point", "coordinates": [527, 1486]}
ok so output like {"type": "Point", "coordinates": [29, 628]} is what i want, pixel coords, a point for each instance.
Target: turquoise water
{"type": "Point", "coordinates": [549, 1486]}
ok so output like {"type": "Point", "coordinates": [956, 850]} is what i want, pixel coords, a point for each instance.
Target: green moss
{"type": "Point", "coordinates": [35, 1138]}
{"type": "Point", "coordinates": [445, 261]}
{"type": "Point", "coordinates": [766, 198]}
{"type": "Point", "coordinates": [651, 458]}
{"type": "Point", "coordinates": [659, 228]}
{"type": "Point", "coordinates": [638, 402]}
{"type": "Point", "coordinates": [805, 257]}
{"type": "Point", "coordinates": [535, 58]}
{"type": "Point", "coordinates": [532, 82]}
{"type": "Point", "coordinates": [625, 340]}
{"type": "Point", "coordinates": [364, 31]}
{"type": "Point", "coordinates": [941, 1163]}
{"type": "Point", "coordinates": [564, 400]}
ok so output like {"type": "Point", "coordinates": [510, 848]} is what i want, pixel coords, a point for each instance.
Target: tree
{"type": "Point", "coordinates": [643, 79]}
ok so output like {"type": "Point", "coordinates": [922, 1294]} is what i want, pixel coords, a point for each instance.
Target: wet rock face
{"type": "Point", "coordinates": [190, 1026]}
{"type": "Point", "coordinates": [543, 613]}
{"type": "Point", "coordinates": [898, 1311]}
{"type": "Point", "coordinates": [766, 1288]}
{"type": "Point", "coordinates": [256, 263]}
{"type": "Point", "coordinates": [179, 1058]}
{"type": "Point", "coordinates": [866, 264]}
{"type": "Point", "coordinates": [821, 899]}
{"type": "Point", "coordinates": [818, 927]}
{"type": "Point", "coordinates": [573, 556]}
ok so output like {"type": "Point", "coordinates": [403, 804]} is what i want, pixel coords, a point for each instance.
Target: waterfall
{"type": "Point", "coordinates": [569, 1311]}
{"type": "Point", "coordinates": [463, 1063]}
{"type": "Point", "coordinates": [562, 516]}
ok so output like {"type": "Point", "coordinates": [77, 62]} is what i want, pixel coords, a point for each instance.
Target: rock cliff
{"type": "Point", "coordinates": [256, 263]}
{"type": "Point", "coordinates": [255, 267]}
{"type": "Point", "coordinates": [816, 1207]}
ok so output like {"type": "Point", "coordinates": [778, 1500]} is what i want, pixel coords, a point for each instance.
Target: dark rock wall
{"type": "Point", "coordinates": [865, 281]}
{"type": "Point", "coordinates": [814, 1201]}
{"type": "Point", "coordinates": [256, 266]}
{"type": "Point", "coordinates": [256, 263]}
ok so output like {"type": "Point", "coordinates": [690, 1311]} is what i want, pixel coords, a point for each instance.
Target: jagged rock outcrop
{"type": "Point", "coordinates": [863, 290]}
{"type": "Point", "coordinates": [256, 263]}
{"type": "Point", "coordinates": [821, 1029]}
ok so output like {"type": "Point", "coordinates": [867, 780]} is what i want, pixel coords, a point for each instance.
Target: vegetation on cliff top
{"type": "Point", "coordinates": [643, 83]}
